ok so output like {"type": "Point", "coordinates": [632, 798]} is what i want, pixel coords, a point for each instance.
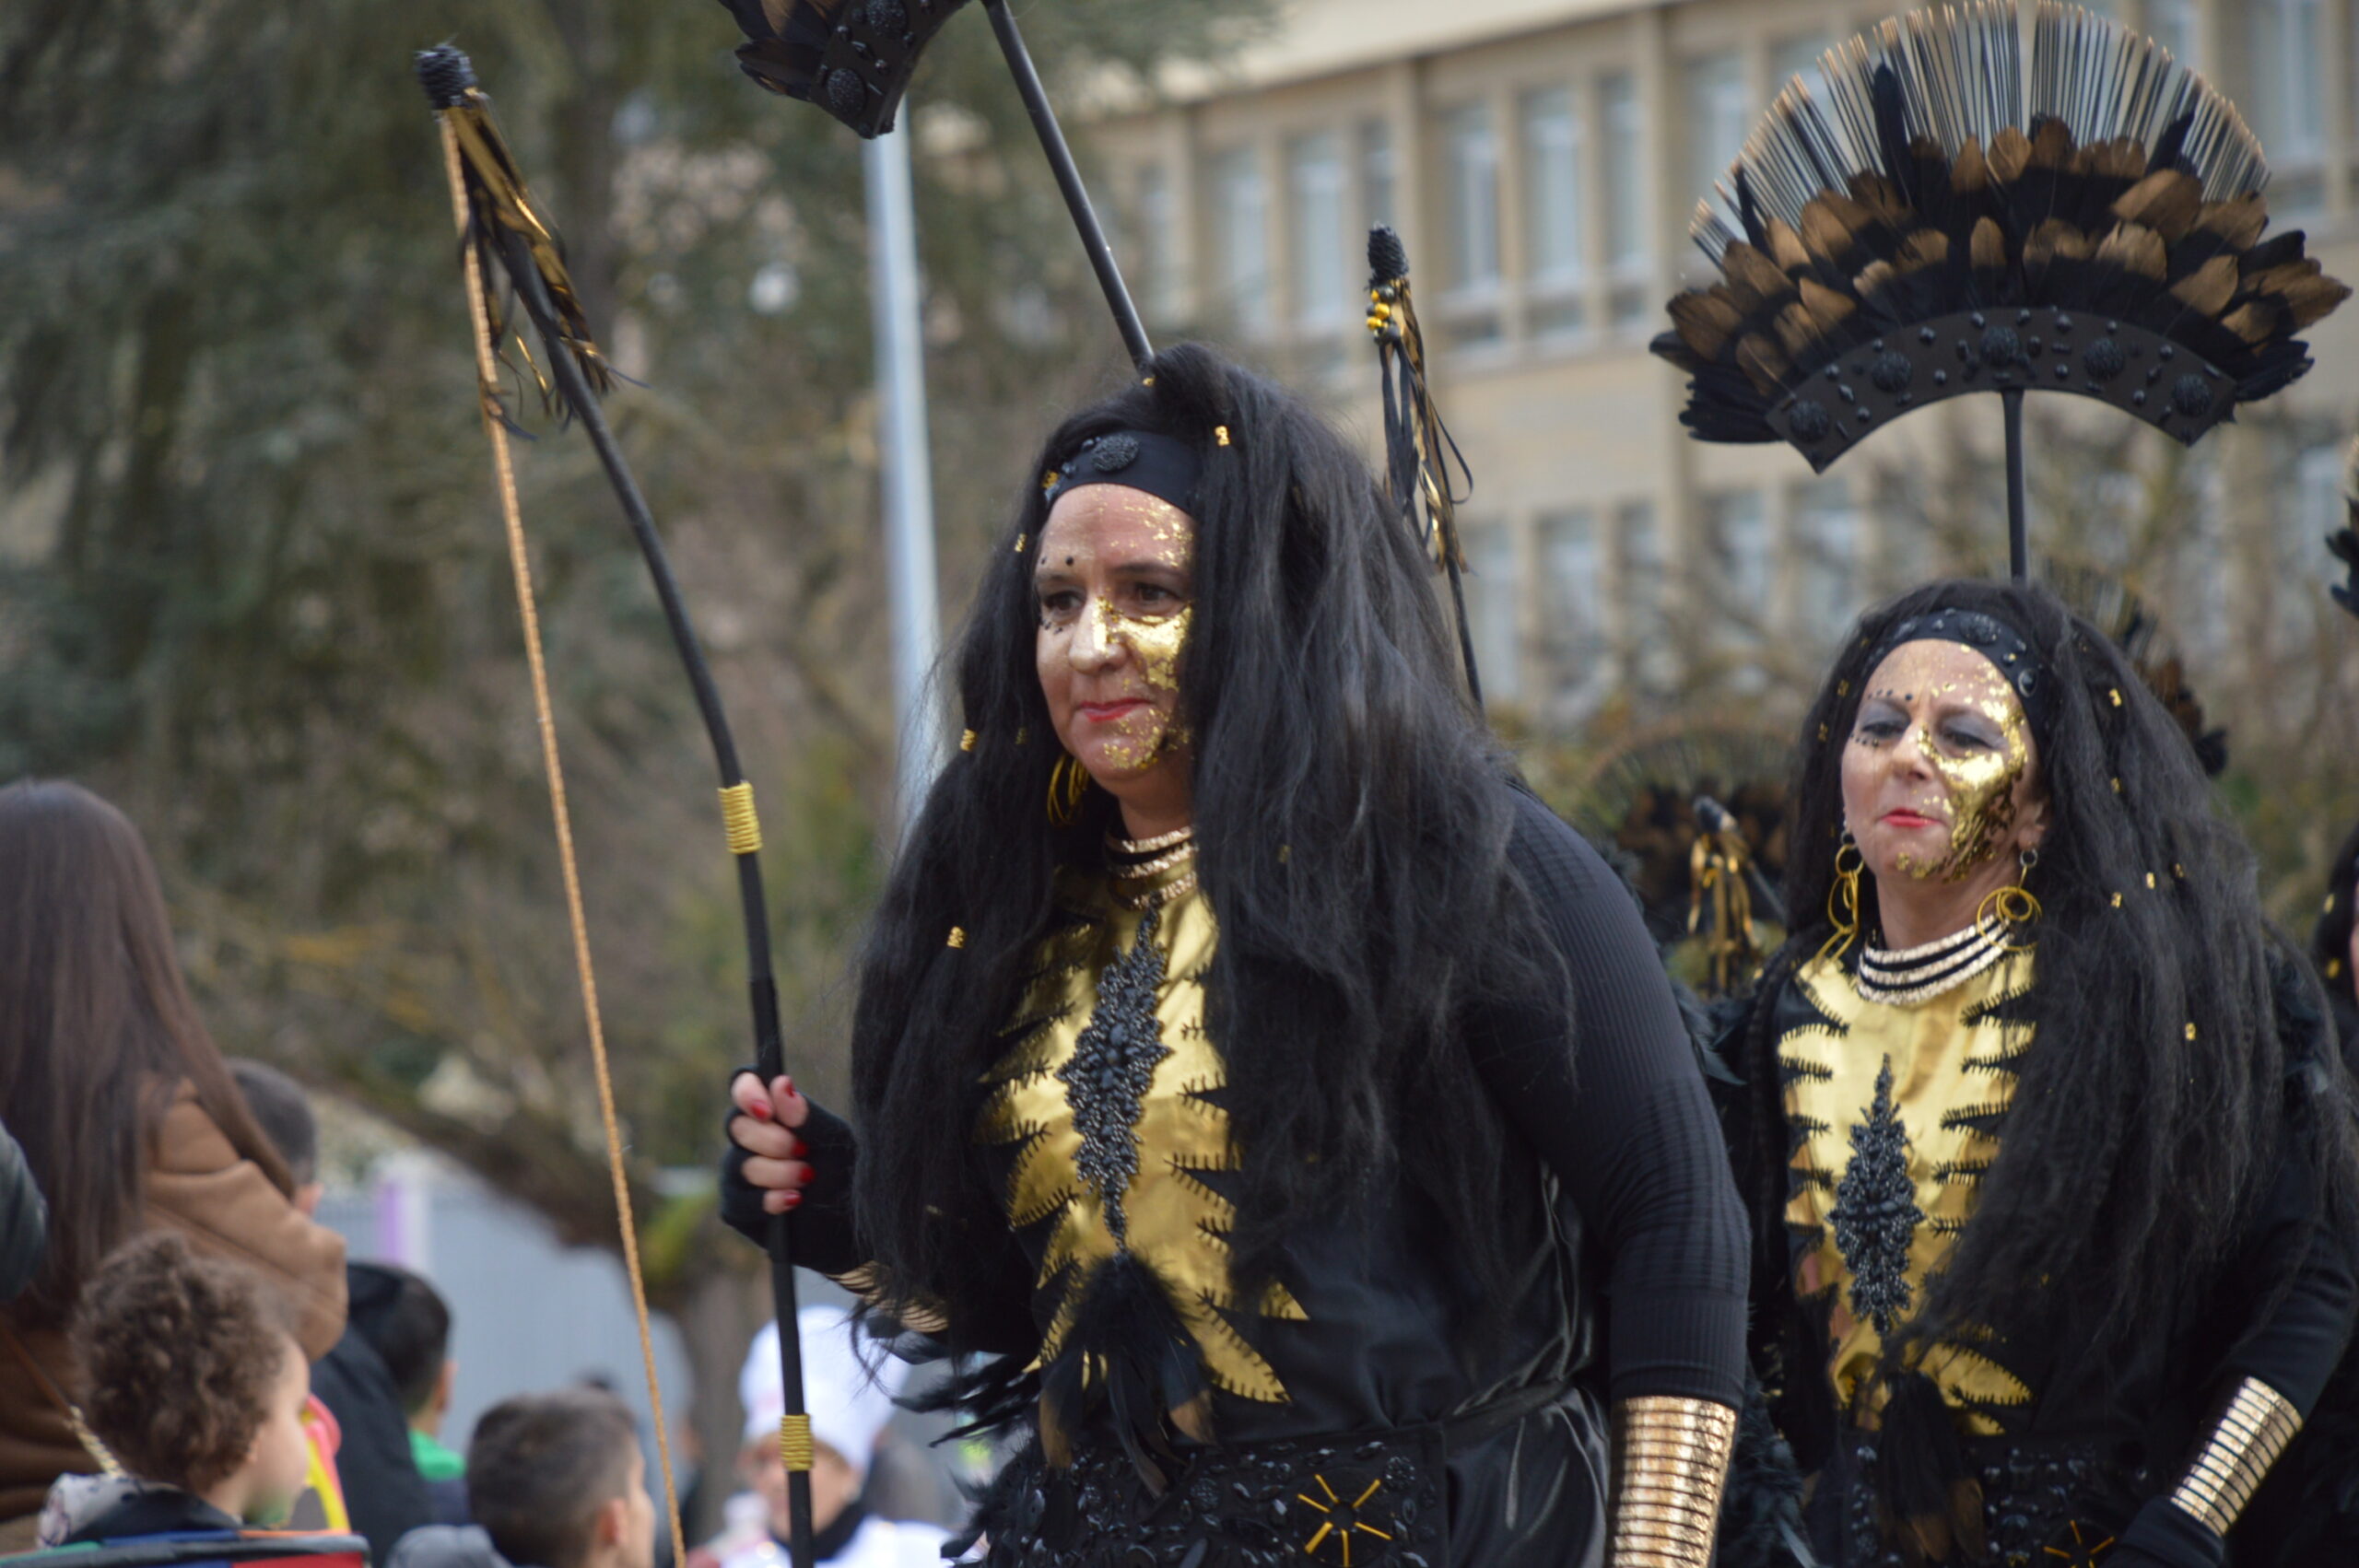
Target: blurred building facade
{"type": "Point", "coordinates": [1542, 159]}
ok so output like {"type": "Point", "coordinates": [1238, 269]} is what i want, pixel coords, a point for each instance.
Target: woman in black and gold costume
{"type": "Point", "coordinates": [2051, 1164]}
{"type": "Point", "coordinates": [1277, 1090]}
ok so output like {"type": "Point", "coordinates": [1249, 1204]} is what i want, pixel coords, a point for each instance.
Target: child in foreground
{"type": "Point", "coordinates": [554, 1481]}
{"type": "Point", "coordinates": [198, 1391]}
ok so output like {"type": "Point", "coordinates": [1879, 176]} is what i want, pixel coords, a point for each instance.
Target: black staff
{"type": "Point", "coordinates": [503, 226]}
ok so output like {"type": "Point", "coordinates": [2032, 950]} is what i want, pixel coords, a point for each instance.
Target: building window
{"type": "Point", "coordinates": [1554, 248]}
{"type": "Point", "coordinates": [1491, 608]}
{"type": "Point", "coordinates": [2172, 24]}
{"type": "Point", "coordinates": [2282, 37]}
{"type": "Point", "coordinates": [1626, 202]}
{"type": "Point", "coordinates": [1470, 200]}
{"type": "Point", "coordinates": [1376, 178]}
{"type": "Point", "coordinates": [1647, 653]}
{"type": "Point", "coordinates": [1826, 539]}
{"type": "Point", "coordinates": [1157, 250]}
{"type": "Point", "coordinates": [1736, 523]}
{"type": "Point", "coordinates": [1736, 535]}
{"type": "Point", "coordinates": [1572, 629]}
{"type": "Point", "coordinates": [1318, 235]}
{"type": "Point", "coordinates": [1717, 118]}
{"type": "Point", "coordinates": [1240, 238]}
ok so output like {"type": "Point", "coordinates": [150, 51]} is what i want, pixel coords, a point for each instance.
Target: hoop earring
{"type": "Point", "coordinates": [2004, 909]}
{"type": "Point", "coordinates": [1068, 782]}
{"type": "Point", "coordinates": [1843, 899]}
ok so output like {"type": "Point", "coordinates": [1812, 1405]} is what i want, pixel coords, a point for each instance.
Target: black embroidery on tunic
{"type": "Point", "coordinates": [1875, 1211]}
{"type": "Point", "coordinates": [1113, 1061]}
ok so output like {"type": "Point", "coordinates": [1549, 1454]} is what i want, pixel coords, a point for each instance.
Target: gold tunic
{"type": "Point", "coordinates": [1953, 1074]}
{"type": "Point", "coordinates": [1165, 1213]}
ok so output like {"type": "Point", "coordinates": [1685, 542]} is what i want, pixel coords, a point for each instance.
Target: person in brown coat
{"type": "Point", "coordinates": [127, 1114]}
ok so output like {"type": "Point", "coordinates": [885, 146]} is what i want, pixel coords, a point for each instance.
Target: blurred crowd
{"type": "Point", "coordinates": [187, 1355]}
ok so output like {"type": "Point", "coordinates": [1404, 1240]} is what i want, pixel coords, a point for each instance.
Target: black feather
{"type": "Point", "coordinates": [1128, 1360]}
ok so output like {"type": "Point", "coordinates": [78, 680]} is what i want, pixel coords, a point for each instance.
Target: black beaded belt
{"type": "Point", "coordinates": [2046, 1501]}
{"type": "Point", "coordinates": [1374, 1499]}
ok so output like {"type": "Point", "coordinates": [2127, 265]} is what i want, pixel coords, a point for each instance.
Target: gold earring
{"type": "Point", "coordinates": [2007, 907]}
{"type": "Point", "coordinates": [1843, 899]}
{"type": "Point", "coordinates": [1068, 782]}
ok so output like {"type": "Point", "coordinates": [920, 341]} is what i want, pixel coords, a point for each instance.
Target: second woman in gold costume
{"type": "Point", "coordinates": [2049, 1152]}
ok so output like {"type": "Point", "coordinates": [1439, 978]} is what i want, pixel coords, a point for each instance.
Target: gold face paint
{"type": "Point", "coordinates": [1980, 784]}
{"type": "Point", "coordinates": [1142, 736]}
{"type": "Point", "coordinates": [1095, 617]}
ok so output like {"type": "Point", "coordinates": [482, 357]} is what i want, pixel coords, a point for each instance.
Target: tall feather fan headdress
{"type": "Point", "coordinates": [1965, 214]}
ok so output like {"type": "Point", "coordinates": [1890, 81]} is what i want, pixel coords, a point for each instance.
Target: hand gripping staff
{"type": "Point", "coordinates": [500, 227]}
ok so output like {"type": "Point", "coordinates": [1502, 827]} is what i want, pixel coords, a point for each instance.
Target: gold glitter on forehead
{"type": "Point", "coordinates": [1164, 523]}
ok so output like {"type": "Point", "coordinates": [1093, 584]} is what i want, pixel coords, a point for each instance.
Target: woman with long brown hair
{"type": "Point", "coordinates": [127, 1114]}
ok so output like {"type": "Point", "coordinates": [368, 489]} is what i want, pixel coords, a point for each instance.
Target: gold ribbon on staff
{"type": "Point", "coordinates": [494, 203]}
{"type": "Point", "coordinates": [1716, 867]}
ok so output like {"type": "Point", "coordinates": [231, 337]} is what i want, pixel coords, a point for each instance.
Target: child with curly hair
{"type": "Point", "coordinates": [198, 1391]}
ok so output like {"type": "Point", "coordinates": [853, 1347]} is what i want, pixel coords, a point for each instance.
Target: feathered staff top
{"type": "Point", "coordinates": [1963, 215]}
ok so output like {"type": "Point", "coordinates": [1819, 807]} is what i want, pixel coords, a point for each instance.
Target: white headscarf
{"type": "Point", "coordinates": [848, 1387]}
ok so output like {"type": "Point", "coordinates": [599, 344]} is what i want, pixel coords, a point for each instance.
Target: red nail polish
{"type": "Point", "coordinates": [790, 1084]}
{"type": "Point", "coordinates": [794, 1199]}
{"type": "Point", "coordinates": [801, 1149]}
{"type": "Point", "coordinates": [759, 1110]}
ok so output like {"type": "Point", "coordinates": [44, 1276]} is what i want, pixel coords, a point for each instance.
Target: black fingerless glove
{"type": "Point", "coordinates": [821, 1223]}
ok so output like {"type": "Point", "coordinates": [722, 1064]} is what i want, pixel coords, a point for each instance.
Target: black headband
{"type": "Point", "coordinates": [1996, 640]}
{"type": "Point", "coordinates": [1143, 460]}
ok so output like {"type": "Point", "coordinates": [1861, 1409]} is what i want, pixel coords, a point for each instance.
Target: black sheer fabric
{"type": "Point", "coordinates": [1633, 1240]}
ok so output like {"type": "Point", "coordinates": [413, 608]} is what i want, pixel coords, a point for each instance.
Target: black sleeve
{"type": "Point", "coordinates": [1616, 1105]}
{"type": "Point", "coordinates": [821, 1228]}
{"type": "Point", "coordinates": [2297, 1273]}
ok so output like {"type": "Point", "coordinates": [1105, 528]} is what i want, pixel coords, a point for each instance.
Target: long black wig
{"type": "Point", "coordinates": [2152, 1109]}
{"type": "Point", "coordinates": [2330, 940]}
{"type": "Point", "coordinates": [1352, 827]}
